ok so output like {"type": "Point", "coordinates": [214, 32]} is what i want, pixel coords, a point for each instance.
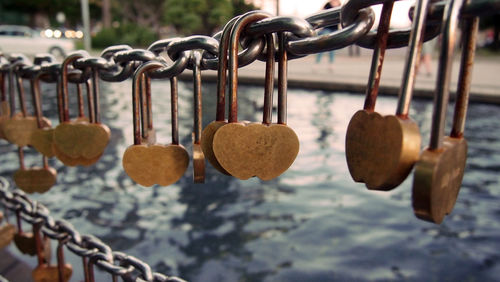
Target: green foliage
{"type": "Point", "coordinates": [128, 33]}
{"type": "Point", "coordinates": [197, 16]}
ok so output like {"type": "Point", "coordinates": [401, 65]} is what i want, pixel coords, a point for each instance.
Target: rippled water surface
{"type": "Point", "coordinates": [313, 223]}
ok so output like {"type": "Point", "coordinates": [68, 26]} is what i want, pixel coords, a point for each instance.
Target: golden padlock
{"type": "Point", "coordinates": [381, 150]}
{"type": "Point", "coordinates": [439, 172]}
{"type": "Point", "coordinates": [149, 164]}
{"type": "Point", "coordinates": [264, 149]}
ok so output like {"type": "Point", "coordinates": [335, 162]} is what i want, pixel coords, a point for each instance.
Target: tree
{"type": "Point", "coordinates": [201, 16]}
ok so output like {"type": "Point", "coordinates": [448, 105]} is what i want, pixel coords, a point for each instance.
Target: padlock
{"type": "Point", "coordinates": [439, 172]}
{"type": "Point", "coordinates": [19, 128]}
{"type": "Point", "coordinates": [4, 104]}
{"type": "Point", "coordinates": [61, 272]}
{"type": "Point", "coordinates": [149, 164]}
{"type": "Point", "coordinates": [7, 232]}
{"type": "Point", "coordinates": [207, 135]}
{"type": "Point", "coordinates": [78, 142]}
{"type": "Point", "coordinates": [264, 149]}
{"type": "Point", "coordinates": [42, 137]}
{"type": "Point", "coordinates": [26, 241]}
{"type": "Point", "coordinates": [198, 156]}
{"type": "Point", "coordinates": [34, 179]}
{"type": "Point", "coordinates": [381, 150]}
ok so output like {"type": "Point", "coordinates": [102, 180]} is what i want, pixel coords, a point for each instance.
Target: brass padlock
{"type": "Point", "coordinates": [264, 149]}
{"type": "Point", "coordinates": [34, 179]}
{"type": "Point", "coordinates": [208, 133]}
{"type": "Point", "coordinates": [26, 241]}
{"type": "Point", "coordinates": [198, 156]}
{"type": "Point", "coordinates": [439, 172]}
{"type": "Point", "coordinates": [381, 150]}
{"type": "Point", "coordinates": [7, 231]}
{"type": "Point", "coordinates": [79, 142]}
{"type": "Point", "coordinates": [149, 164]}
{"type": "Point", "coordinates": [4, 104]}
{"type": "Point", "coordinates": [46, 272]}
{"type": "Point", "coordinates": [19, 128]}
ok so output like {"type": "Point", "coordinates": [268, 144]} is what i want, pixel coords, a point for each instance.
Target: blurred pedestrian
{"type": "Point", "coordinates": [329, 29]}
{"type": "Point", "coordinates": [426, 57]}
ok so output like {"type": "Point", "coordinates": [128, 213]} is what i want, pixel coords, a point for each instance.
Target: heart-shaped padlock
{"type": "Point", "coordinates": [153, 164]}
{"type": "Point", "coordinates": [381, 150]}
{"type": "Point", "coordinates": [19, 128]}
{"type": "Point", "coordinates": [439, 172]}
{"type": "Point", "coordinates": [79, 142]}
{"type": "Point", "coordinates": [4, 104]}
{"type": "Point", "coordinates": [264, 150]}
{"type": "Point", "coordinates": [7, 232]}
{"type": "Point", "coordinates": [208, 133]}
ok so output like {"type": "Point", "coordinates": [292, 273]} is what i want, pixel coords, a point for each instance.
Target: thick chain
{"type": "Point", "coordinates": [95, 251]}
{"type": "Point", "coordinates": [118, 63]}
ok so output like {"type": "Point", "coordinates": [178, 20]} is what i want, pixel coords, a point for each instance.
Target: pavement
{"type": "Point", "coordinates": [350, 74]}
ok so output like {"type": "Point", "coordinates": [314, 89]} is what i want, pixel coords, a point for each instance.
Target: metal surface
{"type": "Point", "coordinates": [470, 28]}
{"type": "Point", "coordinates": [442, 92]}
{"type": "Point", "coordinates": [378, 57]}
{"type": "Point", "coordinates": [86, 246]}
{"type": "Point", "coordinates": [412, 59]}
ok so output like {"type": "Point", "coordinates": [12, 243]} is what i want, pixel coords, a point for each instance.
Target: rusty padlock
{"type": "Point", "coordinates": [19, 128]}
{"type": "Point", "coordinates": [439, 172]}
{"type": "Point", "coordinates": [264, 149]}
{"type": "Point", "coordinates": [207, 135]}
{"type": "Point", "coordinates": [4, 104]}
{"type": "Point", "coordinates": [149, 164]}
{"type": "Point", "coordinates": [198, 156]}
{"type": "Point", "coordinates": [61, 272]}
{"type": "Point", "coordinates": [381, 150]}
{"type": "Point", "coordinates": [7, 231]}
{"type": "Point", "coordinates": [26, 241]}
{"type": "Point", "coordinates": [78, 142]}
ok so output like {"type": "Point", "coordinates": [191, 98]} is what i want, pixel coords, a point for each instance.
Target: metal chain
{"type": "Point", "coordinates": [97, 253]}
{"type": "Point", "coordinates": [118, 63]}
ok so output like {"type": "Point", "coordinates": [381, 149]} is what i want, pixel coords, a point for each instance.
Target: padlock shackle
{"type": "Point", "coordinates": [378, 57]}
{"type": "Point", "coordinates": [197, 97]}
{"type": "Point", "coordinates": [36, 96]}
{"type": "Point", "coordinates": [269, 81]}
{"type": "Point", "coordinates": [63, 103]}
{"type": "Point", "coordinates": [442, 92]}
{"type": "Point", "coordinates": [282, 78]}
{"type": "Point", "coordinates": [238, 28]}
{"type": "Point", "coordinates": [220, 114]}
{"type": "Point", "coordinates": [470, 28]}
{"type": "Point", "coordinates": [412, 58]}
{"type": "Point", "coordinates": [137, 98]}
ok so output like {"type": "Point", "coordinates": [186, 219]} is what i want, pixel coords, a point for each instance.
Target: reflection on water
{"type": "Point", "coordinates": [311, 224]}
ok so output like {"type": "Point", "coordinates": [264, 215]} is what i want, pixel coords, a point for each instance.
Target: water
{"type": "Point", "coordinates": [313, 223]}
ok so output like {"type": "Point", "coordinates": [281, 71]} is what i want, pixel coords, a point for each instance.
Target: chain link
{"type": "Point", "coordinates": [170, 58]}
{"type": "Point", "coordinates": [88, 246]}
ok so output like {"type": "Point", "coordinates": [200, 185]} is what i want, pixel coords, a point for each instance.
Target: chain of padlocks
{"type": "Point", "coordinates": [381, 151]}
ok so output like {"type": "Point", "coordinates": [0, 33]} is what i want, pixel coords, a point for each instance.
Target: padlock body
{"type": "Point", "coordinates": [381, 150]}
{"type": "Point", "coordinates": [7, 232]}
{"type": "Point", "coordinates": [155, 164]}
{"type": "Point", "coordinates": [35, 179]}
{"type": "Point", "coordinates": [247, 150]}
{"type": "Point", "coordinates": [207, 139]}
{"type": "Point", "coordinates": [438, 178]}
{"type": "Point", "coordinates": [50, 273]}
